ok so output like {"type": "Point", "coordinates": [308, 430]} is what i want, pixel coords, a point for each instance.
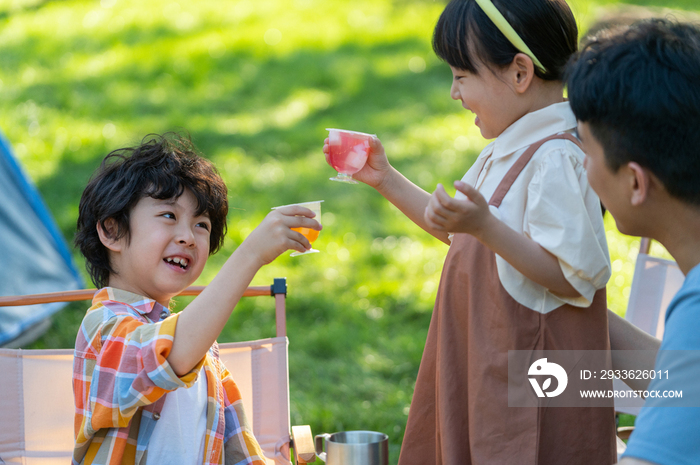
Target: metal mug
{"type": "Point", "coordinates": [353, 448]}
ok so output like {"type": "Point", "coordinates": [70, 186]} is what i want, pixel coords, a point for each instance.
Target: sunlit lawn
{"type": "Point", "coordinates": [256, 83]}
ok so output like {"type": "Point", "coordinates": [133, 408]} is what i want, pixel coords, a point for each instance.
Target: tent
{"type": "Point", "coordinates": [34, 256]}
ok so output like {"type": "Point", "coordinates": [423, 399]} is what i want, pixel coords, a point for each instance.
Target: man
{"type": "Point", "coordinates": [636, 96]}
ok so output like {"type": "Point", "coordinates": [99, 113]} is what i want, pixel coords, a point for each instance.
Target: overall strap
{"type": "Point", "coordinates": [519, 165]}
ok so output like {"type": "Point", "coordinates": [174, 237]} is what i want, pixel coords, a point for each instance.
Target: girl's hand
{"type": "Point", "coordinates": [470, 215]}
{"type": "Point", "coordinates": [377, 167]}
{"type": "Point", "coordinates": [274, 235]}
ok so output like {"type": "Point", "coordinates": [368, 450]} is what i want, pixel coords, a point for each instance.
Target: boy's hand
{"type": "Point", "coordinates": [274, 235]}
{"type": "Point", "coordinates": [376, 168]}
{"type": "Point", "coordinates": [470, 215]}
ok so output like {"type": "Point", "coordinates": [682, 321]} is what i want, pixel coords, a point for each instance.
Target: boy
{"type": "Point", "coordinates": [637, 99]}
{"type": "Point", "coordinates": [148, 220]}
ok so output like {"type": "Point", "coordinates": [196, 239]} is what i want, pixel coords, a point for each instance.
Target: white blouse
{"type": "Point", "coordinates": [550, 202]}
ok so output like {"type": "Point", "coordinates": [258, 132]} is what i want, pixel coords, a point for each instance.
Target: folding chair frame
{"type": "Point", "coordinates": [301, 438]}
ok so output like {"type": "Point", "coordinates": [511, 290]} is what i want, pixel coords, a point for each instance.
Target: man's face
{"type": "Point", "coordinates": [612, 187]}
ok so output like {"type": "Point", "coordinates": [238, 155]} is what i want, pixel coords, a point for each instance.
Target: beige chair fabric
{"type": "Point", "coordinates": [36, 400]}
{"type": "Point", "coordinates": [654, 284]}
{"type": "Point", "coordinates": [36, 406]}
{"type": "Point", "coordinates": [260, 369]}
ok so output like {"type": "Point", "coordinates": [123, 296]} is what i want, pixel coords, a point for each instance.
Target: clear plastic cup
{"type": "Point", "coordinates": [308, 233]}
{"type": "Point", "coordinates": [348, 151]}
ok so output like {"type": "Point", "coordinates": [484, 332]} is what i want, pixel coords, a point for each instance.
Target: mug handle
{"type": "Point", "coordinates": [320, 438]}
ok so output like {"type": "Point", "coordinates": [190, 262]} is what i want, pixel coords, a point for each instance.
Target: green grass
{"type": "Point", "coordinates": [256, 83]}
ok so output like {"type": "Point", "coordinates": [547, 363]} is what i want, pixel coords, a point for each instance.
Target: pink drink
{"type": "Point", "coordinates": [348, 152]}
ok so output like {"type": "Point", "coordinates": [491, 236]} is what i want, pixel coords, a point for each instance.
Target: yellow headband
{"type": "Point", "coordinates": [504, 26]}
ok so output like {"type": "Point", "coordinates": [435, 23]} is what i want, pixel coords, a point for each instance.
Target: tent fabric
{"type": "Point", "coordinates": [35, 256]}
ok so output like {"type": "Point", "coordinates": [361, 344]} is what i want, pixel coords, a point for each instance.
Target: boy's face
{"type": "Point", "coordinates": [613, 188]}
{"type": "Point", "coordinates": [167, 248]}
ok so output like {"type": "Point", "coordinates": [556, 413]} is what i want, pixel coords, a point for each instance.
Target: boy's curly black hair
{"type": "Point", "coordinates": [162, 167]}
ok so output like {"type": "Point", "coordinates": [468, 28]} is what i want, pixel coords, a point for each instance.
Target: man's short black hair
{"type": "Point", "coordinates": [639, 91]}
{"type": "Point", "coordinates": [162, 167]}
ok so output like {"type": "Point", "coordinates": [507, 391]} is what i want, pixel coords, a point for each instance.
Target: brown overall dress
{"type": "Point", "coordinates": [459, 413]}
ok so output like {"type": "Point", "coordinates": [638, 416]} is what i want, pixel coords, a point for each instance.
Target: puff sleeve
{"type": "Point", "coordinates": [563, 215]}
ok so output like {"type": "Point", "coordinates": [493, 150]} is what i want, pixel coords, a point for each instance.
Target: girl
{"type": "Point", "coordinates": [528, 259]}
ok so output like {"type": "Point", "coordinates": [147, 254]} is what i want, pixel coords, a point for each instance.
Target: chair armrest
{"type": "Point", "coordinates": [624, 432]}
{"type": "Point", "coordinates": [303, 444]}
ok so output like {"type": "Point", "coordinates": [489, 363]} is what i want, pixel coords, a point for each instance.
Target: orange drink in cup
{"type": "Point", "coordinates": [348, 151]}
{"type": "Point", "coordinates": [308, 233]}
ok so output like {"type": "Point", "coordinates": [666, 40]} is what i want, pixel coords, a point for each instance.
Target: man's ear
{"type": "Point", "coordinates": [108, 235]}
{"type": "Point", "coordinates": [522, 71]}
{"type": "Point", "coordinates": [641, 182]}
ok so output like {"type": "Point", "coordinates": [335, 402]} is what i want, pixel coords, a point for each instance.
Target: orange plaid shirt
{"type": "Point", "coordinates": [121, 376]}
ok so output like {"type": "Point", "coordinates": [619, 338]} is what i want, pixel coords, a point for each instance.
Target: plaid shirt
{"type": "Point", "coordinates": [120, 378]}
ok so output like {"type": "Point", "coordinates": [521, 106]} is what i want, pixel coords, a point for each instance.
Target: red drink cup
{"type": "Point", "coordinates": [348, 151]}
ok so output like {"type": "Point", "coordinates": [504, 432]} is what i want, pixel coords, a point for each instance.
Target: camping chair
{"type": "Point", "coordinates": [36, 425]}
{"type": "Point", "coordinates": [654, 283]}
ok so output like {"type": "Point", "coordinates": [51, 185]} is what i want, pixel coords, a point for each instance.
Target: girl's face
{"type": "Point", "coordinates": [488, 96]}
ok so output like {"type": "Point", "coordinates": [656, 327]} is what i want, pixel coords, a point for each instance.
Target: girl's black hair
{"type": "Point", "coordinates": [464, 35]}
{"type": "Point", "coordinates": [162, 167]}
